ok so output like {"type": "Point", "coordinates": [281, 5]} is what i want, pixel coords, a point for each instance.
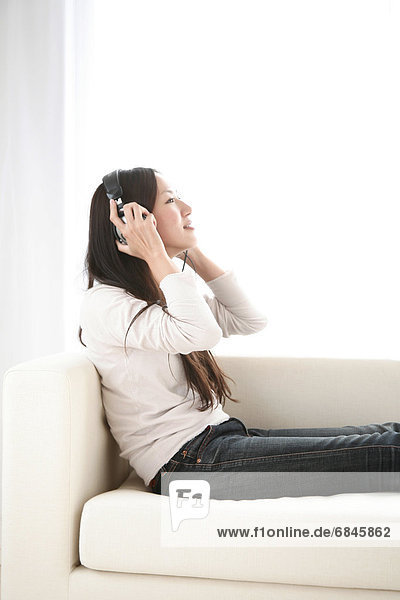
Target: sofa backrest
{"type": "Point", "coordinates": [287, 392]}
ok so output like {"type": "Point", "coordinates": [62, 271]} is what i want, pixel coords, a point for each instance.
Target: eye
{"type": "Point", "coordinates": [169, 199]}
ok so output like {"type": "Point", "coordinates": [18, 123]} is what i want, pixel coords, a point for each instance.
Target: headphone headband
{"type": "Point", "coordinates": [112, 185]}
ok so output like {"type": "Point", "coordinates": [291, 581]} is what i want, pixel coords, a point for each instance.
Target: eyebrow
{"type": "Point", "coordinates": [165, 191]}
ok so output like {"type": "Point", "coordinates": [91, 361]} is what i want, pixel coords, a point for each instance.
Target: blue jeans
{"type": "Point", "coordinates": [231, 447]}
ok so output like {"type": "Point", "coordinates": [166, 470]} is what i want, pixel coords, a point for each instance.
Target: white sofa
{"type": "Point", "coordinates": [78, 524]}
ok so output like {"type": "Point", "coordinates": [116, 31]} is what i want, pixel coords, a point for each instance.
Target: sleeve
{"type": "Point", "coordinates": [232, 309]}
{"type": "Point", "coordinates": [192, 326]}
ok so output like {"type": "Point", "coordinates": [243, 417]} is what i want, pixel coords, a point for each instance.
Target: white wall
{"type": "Point", "coordinates": [279, 122]}
{"type": "Point", "coordinates": [32, 300]}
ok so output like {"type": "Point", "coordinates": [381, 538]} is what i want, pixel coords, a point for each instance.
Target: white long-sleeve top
{"type": "Point", "coordinates": [144, 391]}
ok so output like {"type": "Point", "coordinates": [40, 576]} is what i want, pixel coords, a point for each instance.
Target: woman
{"type": "Point", "coordinates": [149, 332]}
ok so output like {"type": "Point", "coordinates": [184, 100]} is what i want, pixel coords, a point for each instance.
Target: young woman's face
{"type": "Point", "coordinates": [172, 214]}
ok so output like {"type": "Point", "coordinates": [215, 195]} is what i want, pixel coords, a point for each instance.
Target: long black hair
{"type": "Point", "coordinates": [105, 263]}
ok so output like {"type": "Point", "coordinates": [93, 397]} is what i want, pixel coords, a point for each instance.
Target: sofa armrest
{"type": "Point", "coordinates": [57, 453]}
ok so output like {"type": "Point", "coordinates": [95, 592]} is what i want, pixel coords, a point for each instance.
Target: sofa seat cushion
{"type": "Point", "coordinates": [120, 531]}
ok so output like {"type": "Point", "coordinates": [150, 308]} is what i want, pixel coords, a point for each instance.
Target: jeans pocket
{"type": "Point", "coordinates": [242, 425]}
{"type": "Point", "coordinates": [190, 449]}
{"type": "Point", "coordinates": [206, 440]}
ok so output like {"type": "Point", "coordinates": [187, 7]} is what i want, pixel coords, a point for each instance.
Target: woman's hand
{"type": "Point", "coordinates": [141, 234]}
{"type": "Point", "coordinates": [204, 266]}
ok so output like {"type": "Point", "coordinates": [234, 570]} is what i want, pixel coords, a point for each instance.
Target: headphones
{"type": "Point", "coordinates": [114, 192]}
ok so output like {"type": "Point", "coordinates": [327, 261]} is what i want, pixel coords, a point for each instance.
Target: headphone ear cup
{"type": "Point", "coordinates": [122, 239]}
{"type": "Point", "coordinates": [118, 236]}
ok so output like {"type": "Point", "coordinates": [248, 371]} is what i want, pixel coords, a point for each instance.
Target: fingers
{"type": "Point", "coordinates": [133, 215]}
{"type": "Point", "coordinates": [137, 209]}
{"type": "Point", "coordinates": [114, 216]}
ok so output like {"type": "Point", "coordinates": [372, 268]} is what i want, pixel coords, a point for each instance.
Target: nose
{"type": "Point", "coordinates": [186, 208]}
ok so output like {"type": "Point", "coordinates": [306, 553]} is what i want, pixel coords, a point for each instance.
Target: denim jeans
{"type": "Point", "coordinates": [230, 447]}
